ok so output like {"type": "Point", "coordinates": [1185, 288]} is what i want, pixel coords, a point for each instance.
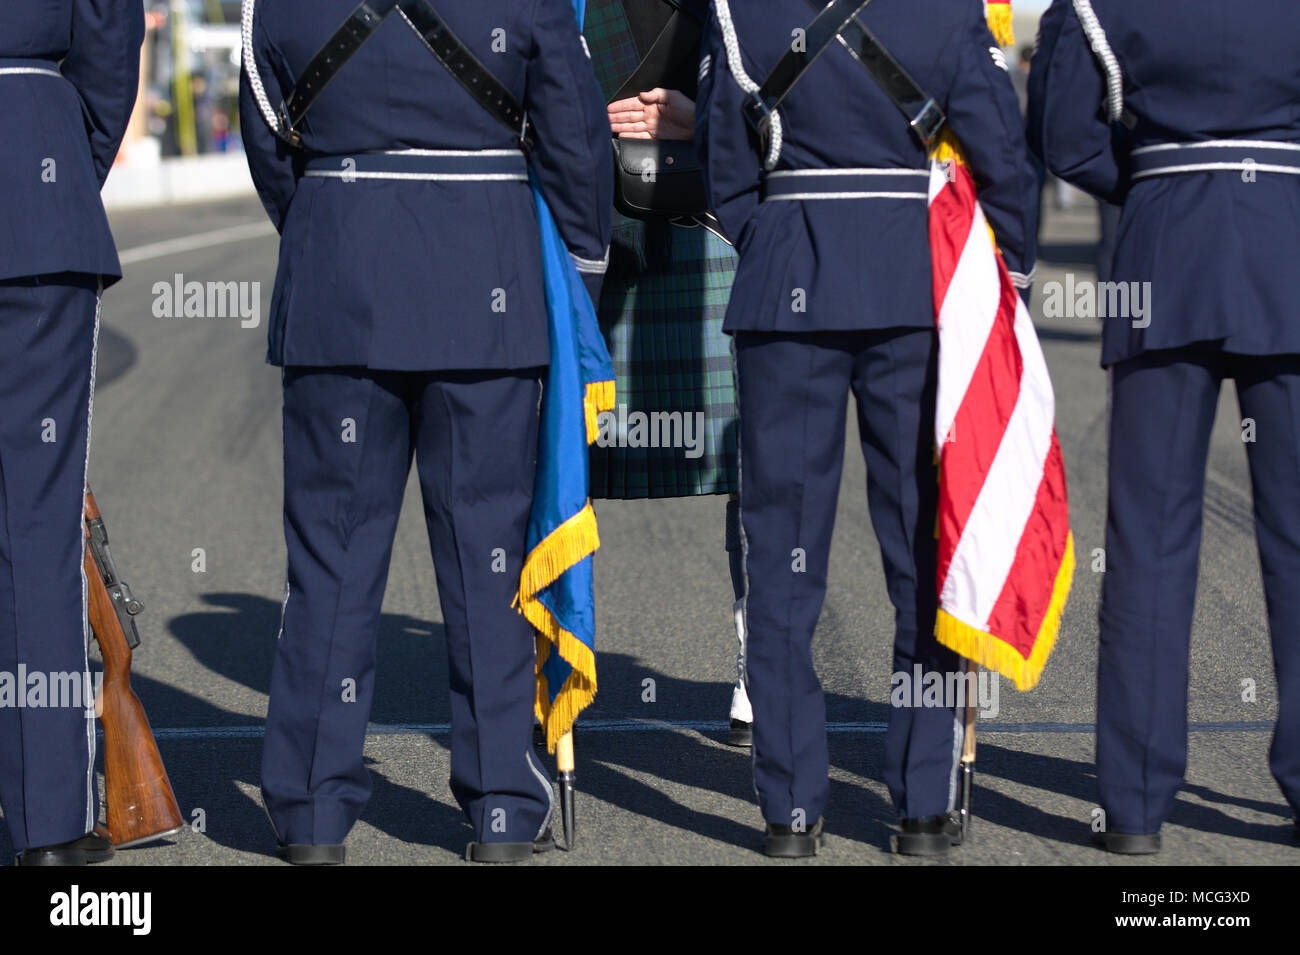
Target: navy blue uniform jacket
{"type": "Point", "coordinates": [862, 263]}
{"type": "Point", "coordinates": [58, 137]}
{"type": "Point", "coordinates": [417, 276]}
{"type": "Point", "coordinates": [1222, 254]}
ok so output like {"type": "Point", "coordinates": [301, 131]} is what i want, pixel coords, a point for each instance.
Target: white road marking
{"type": "Point", "coordinates": [202, 240]}
{"type": "Point", "coordinates": [650, 726]}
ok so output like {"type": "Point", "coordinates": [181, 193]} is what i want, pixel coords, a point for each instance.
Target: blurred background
{"type": "Point", "coordinates": [183, 142]}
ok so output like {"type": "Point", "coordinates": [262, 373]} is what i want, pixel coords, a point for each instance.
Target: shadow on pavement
{"type": "Point", "coordinates": [236, 639]}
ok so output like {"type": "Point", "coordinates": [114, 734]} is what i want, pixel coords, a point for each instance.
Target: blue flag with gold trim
{"type": "Point", "coordinates": [556, 586]}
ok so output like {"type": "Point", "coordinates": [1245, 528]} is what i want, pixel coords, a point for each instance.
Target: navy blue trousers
{"type": "Point", "coordinates": [349, 438]}
{"type": "Point", "coordinates": [1162, 412]}
{"type": "Point", "coordinates": [793, 393]}
{"type": "Point", "coordinates": [47, 752]}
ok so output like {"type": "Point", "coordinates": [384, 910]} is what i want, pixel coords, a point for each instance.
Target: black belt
{"type": "Point", "coordinates": [423, 165]}
{"type": "Point", "coordinates": [823, 184]}
{"type": "Point", "coordinates": [1216, 155]}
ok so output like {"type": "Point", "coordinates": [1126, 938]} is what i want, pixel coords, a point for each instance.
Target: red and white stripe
{"type": "Point", "coordinates": [1003, 515]}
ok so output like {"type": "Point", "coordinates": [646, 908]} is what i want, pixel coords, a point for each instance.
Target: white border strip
{"type": "Point", "coordinates": [791, 173]}
{"type": "Point", "coordinates": [28, 71]}
{"type": "Point", "coordinates": [418, 176]}
{"type": "Point", "coordinates": [1216, 167]}
{"type": "Point", "coordinates": [460, 153]}
{"type": "Point", "coordinates": [803, 196]}
{"type": "Point", "coordinates": [1219, 144]}
{"type": "Point", "coordinates": [591, 266]}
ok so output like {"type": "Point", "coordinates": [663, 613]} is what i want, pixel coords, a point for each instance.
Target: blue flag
{"type": "Point", "coordinates": [555, 586]}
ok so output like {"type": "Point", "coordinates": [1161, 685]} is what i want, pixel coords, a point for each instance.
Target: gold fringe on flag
{"type": "Point", "coordinates": [578, 690]}
{"type": "Point", "coordinates": [599, 397]}
{"type": "Point", "coordinates": [999, 14]}
{"type": "Point", "coordinates": [992, 652]}
{"type": "Point", "coordinates": [947, 148]}
{"type": "Point", "coordinates": [573, 541]}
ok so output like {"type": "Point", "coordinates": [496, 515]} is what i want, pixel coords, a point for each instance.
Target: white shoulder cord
{"type": "Point", "coordinates": [743, 80]}
{"type": "Point", "coordinates": [1092, 29]}
{"type": "Point", "coordinates": [250, 64]}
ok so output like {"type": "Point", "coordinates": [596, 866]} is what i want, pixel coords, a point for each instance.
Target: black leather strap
{"type": "Point", "coordinates": [923, 113]}
{"type": "Point", "coordinates": [675, 52]}
{"type": "Point", "coordinates": [465, 67]}
{"type": "Point", "coordinates": [699, 9]}
{"type": "Point", "coordinates": [821, 33]}
{"type": "Point", "coordinates": [338, 49]}
{"type": "Point", "coordinates": [361, 24]}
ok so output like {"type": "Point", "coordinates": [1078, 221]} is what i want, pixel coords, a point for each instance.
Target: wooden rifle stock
{"type": "Point", "coordinates": [141, 804]}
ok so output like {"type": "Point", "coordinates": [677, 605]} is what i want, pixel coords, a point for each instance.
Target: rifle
{"type": "Point", "coordinates": [141, 804]}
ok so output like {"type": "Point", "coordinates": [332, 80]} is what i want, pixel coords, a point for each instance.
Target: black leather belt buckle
{"type": "Point", "coordinates": [928, 123]}
{"type": "Point", "coordinates": [757, 113]}
{"type": "Point", "coordinates": [286, 128]}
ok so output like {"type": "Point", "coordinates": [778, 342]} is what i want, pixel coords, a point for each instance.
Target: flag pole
{"type": "Point", "coordinates": [968, 754]}
{"type": "Point", "coordinates": [564, 764]}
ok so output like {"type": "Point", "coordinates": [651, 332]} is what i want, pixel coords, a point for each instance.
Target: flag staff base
{"type": "Point", "coordinates": [963, 811]}
{"type": "Point", "coordinates": [564, 764]}
{"type": "Point", "coordinates": [967, 761]}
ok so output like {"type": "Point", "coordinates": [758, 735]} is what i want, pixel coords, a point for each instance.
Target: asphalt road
{"type": "Point", "coordinates": [187, 455]}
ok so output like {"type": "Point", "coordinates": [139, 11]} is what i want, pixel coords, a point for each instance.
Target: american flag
{"type": "Point", "coordinates": [1006, 554]}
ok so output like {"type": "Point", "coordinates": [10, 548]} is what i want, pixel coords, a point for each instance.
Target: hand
{"type": "Point", "coordinates": [655, 114]}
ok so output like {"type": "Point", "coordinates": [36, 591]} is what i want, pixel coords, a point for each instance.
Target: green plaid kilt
{"type": "Point", "coordinates": [661, 310]}
{"type": "Point", "coordinates": [609, 39]}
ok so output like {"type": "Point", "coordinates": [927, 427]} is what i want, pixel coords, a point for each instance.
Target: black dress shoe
{"type": "Point", "coordinates": [741, 733]}
{"type": "Point", "coordinates": [929, 835]}
{"type": "Point", "coordinates": [94, 846]}
{"type": "Point", "coordinates": [1128, 843]}
{"type": "Point", "coordinates": [782, 842]}
{"type": "Point", "coordinates": [305, 854]}
{"type": "Point", "coordinates": [509, 851]}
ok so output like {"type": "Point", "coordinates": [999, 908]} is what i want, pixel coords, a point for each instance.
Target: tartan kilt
{"type": "Point", "coordinates": [661, 310]}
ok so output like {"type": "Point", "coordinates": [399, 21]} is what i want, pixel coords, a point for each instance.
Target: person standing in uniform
{"type": "Point", "coordinates": [1185, 114]}
{"type": "Point", "coordinates": [409, 316]}
{"type": "Point", "coordinates": [664, 299]}
{"type": "Point", "coordinates": [832, 296]}
{"type": "Point", "coordinates": [69, 70]}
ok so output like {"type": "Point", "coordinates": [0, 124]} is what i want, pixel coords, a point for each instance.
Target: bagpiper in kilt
{"type": "Point", "coordinates": [661, 310]}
